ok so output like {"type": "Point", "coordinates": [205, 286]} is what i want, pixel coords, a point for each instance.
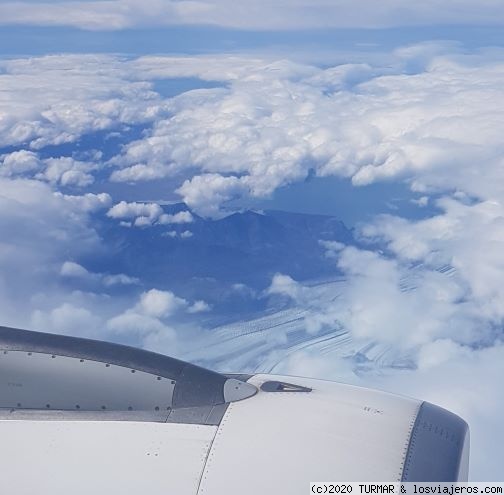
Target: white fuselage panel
{"type": "Point", "coordinates": [102, 458]}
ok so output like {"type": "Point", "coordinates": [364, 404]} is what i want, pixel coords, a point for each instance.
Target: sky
{"type": "Point", "coordinates": [385, 115]}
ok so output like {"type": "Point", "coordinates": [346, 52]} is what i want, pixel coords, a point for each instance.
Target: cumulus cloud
{"type": "Point", "coordinates": [206, 193]}
{"type": "Point", "coordinates": [147, 214]}
{"type": "Point", "coordinates": [177, 218]}
{"type": "Point", "coordinates": [160, 303]}
{"type": "Point", "coordinates": [151, 319]}
{"type": "Point", "coordinates": [284, 14]}
{"type": "Point", "coordinates": [66, 171]}
{"type": "Point", "coordinates": [57, 99]}
{"type": "Point", "coordinates": [62, 171]}
{"type": "Point", "coordinates": [278, 122]}
{"type": "Point", "coordinates": [89, 202]}
{"type": "Point", "coordinates": [141, 213]}
{"type": "Point", "coordinates": [19, 163]}
{"type": "Point", "coordinates": [70, 269]}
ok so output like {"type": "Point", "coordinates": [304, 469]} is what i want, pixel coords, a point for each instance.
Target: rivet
{"type": "Point", "coordinates": [29, 354]}
{"type": "Point", "coordinates": [77, 406]}
{"type": "Point", "coordinates": [130, 408]}
{"type": "Point", "coordinates": [81, 360]}
{"type": "Point", "coordinates": [173, 382]}
{"type": "Point", "coordinates": [133, 371]}
{"type": "Point", "coordinates": [159, 378]}
{"type": "Point", "coordinates": [156, 408]}
{"type": "Point", "coordinates": [48, 406]}
{"type": "Point", "coordinates": [19, 404]}
{"type": "Point", "coordinates": [103, 407]}
{"type": "Point", "coordinates": [107, 366]}
{"type": "Point", "coordinates": [53, 356]}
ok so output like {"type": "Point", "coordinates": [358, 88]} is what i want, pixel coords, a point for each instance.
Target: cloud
{"type": "Point", "coordinates": [41, 230]}
{"type": "Point", "coordinates": [278, 122]}
{"type": "Point", "coordinates": [178, 218]}
{"type": "Point", "coordinates": [261, 15]}
{"type": "Point", "coordinates": [147, 214]}
{"type": "Point", "coordinates": [56, 99]}
{"type": "Point", "coordinates": [63, 171]}
{"type": "Point", "coordinates": [151, 320]}
{"type": "Point", "coordinates": [141, 325]}
{"type": "Point", "coordinates": [73, 270]}
{"type": "Point", "coordinates": [67, 172]}
{"type": "Point", "coordinates": [199, 307]}
{"type": "Point", "coordinates": [67, 320]}
{"type": "Point", "coordinates": [206, 193]}
{"type": "Point", "coordinates": [89, 202]}
{"type": "Point", "coordinates": [142, 213]}
{"type": "Point", "coordinates": [274, 123]}
{"type": "Point", "coordinates": [19, 163]}
{"type": "Point", "coordinates": [159, 303]}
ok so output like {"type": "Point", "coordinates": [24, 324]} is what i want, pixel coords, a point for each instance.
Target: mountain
{"type": "Point", "coordinates": [219, 260]}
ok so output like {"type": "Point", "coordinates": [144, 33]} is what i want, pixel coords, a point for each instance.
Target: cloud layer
{"type": "Point", "coordinates": [261, 15]}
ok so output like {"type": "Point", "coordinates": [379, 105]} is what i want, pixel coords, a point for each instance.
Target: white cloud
{"type": "Point", "coordinates": [285, 286]}
{"type": "Point", "coordinates": [148, 214]}
{"type": "Point", "coordinates": [159, 303]}
{"type": "Point", "coordinates": [261, 15]}
{"type": "Point", "coordinates": [149, 320]}
{"type": "Point", "coordinates": [67, 320]}
{"type": "Point", "coordinates": [275, 122]}
{"type": "Point", "coordinates": [278, 121]}
{"type": "Point", "coordinates": [178, 218]}
{"type": "Point", "coordinates": [89, 202]}
{"type": "Point", "coordinates": [71, 269]}
{"type": "Point", "coordinates": [205, 193]}
{"type": "Point", "coordinates": [143, 213]}
{"type": "Point", "coordinates": [131, 323]}
{"type": "Point", "coordinates": [119, 279]}
{"type": "Point", "coordinates": [56, 99]}
{"type": "Point", "coordinates": [199, 307]}
{"type": "Point", "coordinates": [19, 163]}
{"type": "Point", "coordinates": [67, 172]}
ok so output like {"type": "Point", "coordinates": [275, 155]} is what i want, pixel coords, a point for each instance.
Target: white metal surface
{"type": "Point", "coordinates": [102, 458]}
{"type": "Point", "coordinates": [277, 442]}
{"type": "Point", "coordinates": [43, 381]}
